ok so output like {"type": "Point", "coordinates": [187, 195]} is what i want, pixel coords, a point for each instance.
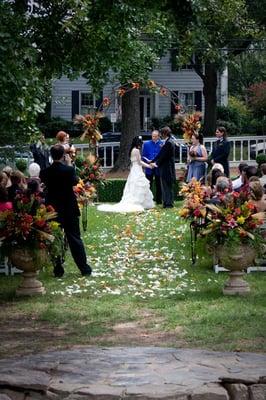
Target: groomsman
{"type": "Point", "coordinates": [150, 150]}
{"type": "Point", "coordinates": [165, 160]}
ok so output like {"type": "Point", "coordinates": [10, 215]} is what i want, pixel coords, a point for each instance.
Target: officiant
{"type": "Point", "coordinates": [150, 150]}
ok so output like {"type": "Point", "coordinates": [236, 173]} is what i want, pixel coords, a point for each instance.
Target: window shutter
{"type": "Point", "coordinates": [99, 100]}
{"type": "Point", "coordinates": [174, 99]}
{"type": "Point", "coordinates": [198, 100]}
{"type": "Point", "coordinates": [75, 102]}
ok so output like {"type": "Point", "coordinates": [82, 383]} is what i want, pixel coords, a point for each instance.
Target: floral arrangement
{"type": "Point", "coordinates": [31, 224]}
{"type": "Point", "coordinates": [235, 221]}
{"type": "Point", "coordinates": [190, 125]}
{"type": "Point", "coordinates": [90, 170]}
{"type": "Point", "coordinates": [194, 205]}
{"type": "Point", "coordinates": [85, 192]}
{"type": "Point", "coordinates": [90, 123]}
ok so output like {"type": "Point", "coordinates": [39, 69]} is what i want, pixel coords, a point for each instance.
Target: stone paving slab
{"type": "Point", "coordinates": [134, 373]}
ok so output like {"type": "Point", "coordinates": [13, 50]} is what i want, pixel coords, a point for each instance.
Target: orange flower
{"type": "Point", "coordinates": [121, 92]}
{"type": "Point", "coordinates": [163, 91]}
{"type": "Point", "coordinates": [106, 101]}
{"type": "Point", "coordinates": [135, 85]}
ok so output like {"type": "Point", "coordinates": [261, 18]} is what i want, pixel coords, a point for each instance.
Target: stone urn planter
{"type": "Point", "coordinates": [30, 262]}
{"type": "Point", "coordinates": [236, 260]}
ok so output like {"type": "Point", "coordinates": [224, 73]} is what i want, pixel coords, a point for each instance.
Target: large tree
{"type": "Point", "coordinates": [222, 29]}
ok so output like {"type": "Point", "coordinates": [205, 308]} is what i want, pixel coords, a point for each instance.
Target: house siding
{"type": "Point", "coordinates": [181, 81]}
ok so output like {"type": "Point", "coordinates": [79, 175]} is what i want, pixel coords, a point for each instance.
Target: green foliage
{"type": "Point", "coordinates": [105, 125]}
{"type": "Point", "coordinates": [112, 191]}
{"type": "Point", "coordinates": [247, 69]}
{"type": "Point", "coordinates": [50, 126]}
{"type": "Point", "coordinates": [22, 88]}
{"type": "Point", "coordinates": [261, 159]}
{"type": "Point", "coordinates": [235, 117]}
{"type": "Point", "coordinates": [257, 98]}
{"type": "Point", "coordinates": [22, 165]}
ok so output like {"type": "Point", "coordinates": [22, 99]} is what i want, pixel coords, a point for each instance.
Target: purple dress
{"type": "Point", "coordinates": [196, 169]}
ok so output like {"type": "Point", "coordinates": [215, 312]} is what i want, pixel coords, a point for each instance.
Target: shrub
{"type": "Point", "coordinates": [112, 191]}
{"type": "Point", "coordinates": [257, 98]}
{"type": "Point", "coordinates": [105, 125]}
{"type": "Point", "coordinates": [261, 159]}
{"type": "Point", "coordinates": [52, 125]}
{"type": "Point", "coordinates": [21, 165]}
{"type": "Point", "coordinates": [231, 127]}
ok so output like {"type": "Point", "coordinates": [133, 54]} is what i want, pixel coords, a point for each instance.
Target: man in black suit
{"type": "Point", "coordinates": [59, 180]}
{"type": "Point", "coordinates": [165, 160]}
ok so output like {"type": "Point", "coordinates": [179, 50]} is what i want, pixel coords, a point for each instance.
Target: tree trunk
{"type": "Point", "coordinates": [130, 127]}
{"type": "Point", "coordinates": [209, 91]}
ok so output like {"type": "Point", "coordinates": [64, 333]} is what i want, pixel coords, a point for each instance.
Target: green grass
{"type": "Point", "coordinates": [142, 274]}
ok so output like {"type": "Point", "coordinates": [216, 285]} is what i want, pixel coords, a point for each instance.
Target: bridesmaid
{"type": "Point", "coordinates": [197, 158]}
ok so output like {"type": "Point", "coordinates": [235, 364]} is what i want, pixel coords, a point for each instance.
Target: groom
{"type": "Point", "coordinates": [165, 161]}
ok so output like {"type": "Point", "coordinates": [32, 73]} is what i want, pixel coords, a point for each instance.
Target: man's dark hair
{"type": "Point", "coordinates": [57, 151]}
{"type": "Point", "coordinates": [250, 171]}
{"type": "Point", "coordinates": [241, 166]}
{"type": "Point", "coordinates": [166, 131]}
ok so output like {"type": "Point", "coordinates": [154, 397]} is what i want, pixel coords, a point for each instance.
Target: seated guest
{"type": "Point", "coordinates": [4, 203]}
{"type": "Point", "coordinates": [263, 176]}
{"type": "Point", "coordinates": [257, 196]}
{"type": "Point", "coordinates": [222, 187]}
{"type": "Point", "coordinates": [247, 173]}
{"type": "Point", "coordinates": [218, 166]}
{"type": "Point", "coordinates": [18, 185]}
{"type": "Point", "coordinates": [239, 181]}
{"type": "Point", "coordinates": [34, 181]}
{"type": "Point", "coordinates": [8, 171]}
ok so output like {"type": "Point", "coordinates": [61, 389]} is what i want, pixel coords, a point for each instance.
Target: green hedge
{"type": "Point", "coordinates": [112, 191]}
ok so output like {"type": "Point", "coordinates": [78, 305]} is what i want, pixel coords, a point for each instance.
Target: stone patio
{"type": "Point", "coordinates": [134, 373]}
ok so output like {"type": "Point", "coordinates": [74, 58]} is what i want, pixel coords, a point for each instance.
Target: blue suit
{"type": "Point", "coordinates": [150, 150]}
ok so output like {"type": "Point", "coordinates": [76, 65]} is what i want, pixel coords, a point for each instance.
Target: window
{"type": "Point", "coordinates": [186, 99]}
{"type": "Point", "coordinates": [87, 102]}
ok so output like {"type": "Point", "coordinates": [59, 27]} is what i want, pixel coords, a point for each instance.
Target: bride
{"type": "Point", "coordinates": [137, 195]}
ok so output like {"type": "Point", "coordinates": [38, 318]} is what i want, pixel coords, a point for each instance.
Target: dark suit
{"type": "Point", "coordinates": [166, 164]}
{"type": "Point", "coordinates": [59, 180]}
{"type": "Point", "coordinates": [220, 154]}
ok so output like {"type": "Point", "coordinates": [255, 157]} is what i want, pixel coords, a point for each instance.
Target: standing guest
{"type": "Point", "coordinates": [41, 152]}
{"type": "Point", "coordinates": [70, 151]}
{"type": "Point", "coordinates": [165, 161]}
{"type": "Point", "coordinates": [197, 158]}
{"type": "Point", "coordinates": [239, 181]}
{"type": "Point", "coordinates": [150, 150]}
{"type": "Point", "coordinates": [59, 180]}
{"type": "Point", "coordinates": [221, 150]}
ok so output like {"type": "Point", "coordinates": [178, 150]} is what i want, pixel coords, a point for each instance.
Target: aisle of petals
{"type": "Point", "coordinates": [144, 259]}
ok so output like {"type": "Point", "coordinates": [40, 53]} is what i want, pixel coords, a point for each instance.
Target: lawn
{"type": "Point", "coordinates": [143, 291]}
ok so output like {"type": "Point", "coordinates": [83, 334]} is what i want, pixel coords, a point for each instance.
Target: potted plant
{"type": "Point", "coordinates": [232, 232]}
{"type": "Point", "coordinates": [30, 237]}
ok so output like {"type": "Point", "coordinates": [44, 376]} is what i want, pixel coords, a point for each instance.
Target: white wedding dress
{"type": "Point", "coordinates": [137, 195]}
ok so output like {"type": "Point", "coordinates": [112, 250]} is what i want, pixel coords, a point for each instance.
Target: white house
{"type": "Point", "coordinates": [75, 97]}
